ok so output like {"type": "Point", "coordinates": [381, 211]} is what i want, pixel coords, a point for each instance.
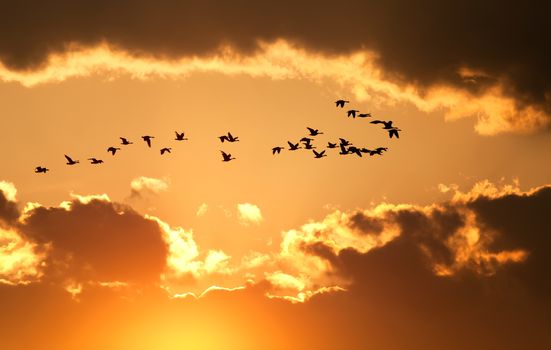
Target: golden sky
{"type": "Point", "coordinates": [441, 242]}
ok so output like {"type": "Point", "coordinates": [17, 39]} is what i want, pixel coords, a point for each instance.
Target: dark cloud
{"type": "Point", "coordinates": [8, 209]}
{"type": "Point", "coordinates": [98, 241]}
{"type": "Point", "coordinates": [424, 41]}
{"type": "Point", "coordinates": [395, 302]}
{"type": "Point", "coordinates": [522, 221]}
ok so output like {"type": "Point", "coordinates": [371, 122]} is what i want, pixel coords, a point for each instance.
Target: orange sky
{"type": "Point", "coordinates": [441, 242]}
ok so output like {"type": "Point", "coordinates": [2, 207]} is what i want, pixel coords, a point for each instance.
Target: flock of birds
{"type": "Point", "coordinates": [345, 146]}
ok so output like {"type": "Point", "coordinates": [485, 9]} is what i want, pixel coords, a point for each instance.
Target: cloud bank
{"type": "Point", "coordinates": [500, 74]}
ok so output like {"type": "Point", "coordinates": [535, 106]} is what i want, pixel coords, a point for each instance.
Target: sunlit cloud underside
{"type": "Point", "coordinates": [357, 74]}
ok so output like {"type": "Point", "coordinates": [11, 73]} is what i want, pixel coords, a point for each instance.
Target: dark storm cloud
{"type": "Point", "coordinates": [424, 41]}
{"type": "Point", "coordinates": [509, 222]}
{"type": "Point", "coordinates": [97, 241]}
{"type": "Point", "coordinates": [522, 221]}
{"type": "Point", "coordinates": [8, 209]}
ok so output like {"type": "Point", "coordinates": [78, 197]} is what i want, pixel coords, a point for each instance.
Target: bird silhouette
{"type": "Point", "coordinates": [352, 113]}
{"type": "Point", "coordinates": [40, 169]}
{"type": "Point", "coordinates": [308, 145]}
{"type": "Point", "coordinates": [394, 131]}
{"type": "Point", "coordinates": [180, 136]}
{"type": "Point", "coordinates": [277, 149]}
{"type": "Point", "coordinates": [164, 150]}
{"type": "Point", "coordinates": [148, 139]}
{"type": "Point", "coordinates": [95, 161]}
{"type": "Point", "coordinates": [356, 150]}
{"type": "Point", "coordinates": [378, 151]}
{"type": "Point", "coordinates": [293, 146]}
{"type": "Point", "coordinates": [319, 154]}
{"type": "Point", "coordinates": [343, 150]}
{"type": "Point", "coordinates": [331, 145]}
{"type": "Point", "coordinates": [340, 103]}
{"type": "Point", "coordinates": [306, 140]}
{"type": "Point", "coordinates": [364, 115]}
{"type": "Point", "coordinates": [70, 161]}
{"type": "Point", "coordinates": [314, 132]}
{"type": "Point", "coordinates": [387, 125]}
{"type": "Point", "coordinates": [125, 141]}
{"type": "Point", "coordinates": [231, 138]}
{"type": "Point", "coordinates": [113, 150]}
{"type": "Point", "coordinates": [344, 142]}
{"type": "Point", "coordinates": [226, 156]}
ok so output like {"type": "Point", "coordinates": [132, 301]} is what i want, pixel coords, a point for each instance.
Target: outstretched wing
{"type": "Point", "coordinates": [376, 122]}
{"type": "Point", "coordinates": [68, 158]}
{"type": "Point", "coordinates": [312, 131]}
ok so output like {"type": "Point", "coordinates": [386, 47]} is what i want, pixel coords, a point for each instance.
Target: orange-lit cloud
{"type": "Point", "coordinates": [457, 236]}
{"type": "Point", "coordinates": [249, 213]}
{"type": "Point", "coordinates": [358, 73]}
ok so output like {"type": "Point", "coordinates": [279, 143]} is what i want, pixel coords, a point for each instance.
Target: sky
{"type": "Point", "coordinates": [442, 241]}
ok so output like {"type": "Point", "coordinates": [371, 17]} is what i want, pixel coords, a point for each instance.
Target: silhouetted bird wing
{"type": "Point", "coordinates": [376, 122]}
{"type": "Point", "coordinates": [69, 159]}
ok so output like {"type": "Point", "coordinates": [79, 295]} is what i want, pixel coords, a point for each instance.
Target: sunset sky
{"type": "Point", "coordinates": [441, 242]}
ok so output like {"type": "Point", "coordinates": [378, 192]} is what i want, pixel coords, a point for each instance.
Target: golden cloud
{"type": "Point", "coordinates": [359, 73]}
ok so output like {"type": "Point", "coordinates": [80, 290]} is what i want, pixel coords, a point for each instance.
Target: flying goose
{"type": "Point", "coordinates": [352, 113]}
{"type": "Point", "coordinates": [314, 132]}
{"type": "Point", "coordinates": [378, 151]}
{"type": "Point", "coordinates": [343, 150]}
{"type": "Point", "coordinates": [394, 131]}
{"type": "Point", "coordinates": [293, 146]}
{"type": "Point", "coordinates": [148, 139]}
{"type": "Point", "coordinates": [319, 154]}
{"type": "Point", "coordinates": [113, 150]}
{"type": "Point", "coordinates": [344, 142]}
{"type": "Point", "coordinates": [180, 136]}
{"type": "Point", "coordinates": [387, 125]}
{"type": "Point", "coordinates": [331, 145]}
{"type": "Point", "coordinates": [40, 169]}
{"type": "Point", "coordinates": [231, 138]}
{"type": "Point", "coordinates": [125, 141]}
{"type": "Point", "coordinates": [227, 157]}
{"type": "Point", "coordinates": [353, 149]}
{"type": "Point", "coordinates": [277, 149]}
{"type": "Point", "coordinates": [340, 103]}
{"type": "Point", "coordinates": [95, 161]}
{"type": "Point", "coordinates": [364, 115]}
{"type": "Point", "coordinates": [70, 161]}
{"type": "Point", "coordinates": [164, 150]}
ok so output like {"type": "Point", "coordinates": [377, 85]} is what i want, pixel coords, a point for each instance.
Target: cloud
{"type": "Point", "coordinates": [425, 46]}
{"type": "Point", "coordinates": [249, 214]}
{"type": "Point", "coordinates": [202, 210]}
{"type": "Point", "coordinates": [143, 185]}
{"type": "Point", "coordinates": [8, 208]}
{"type": "Point", "coordinates": [19, 261]}
{"type": "Point", "coordinates": [96, 240]}
{"type": "Point", "coordinates": [469, 272]}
